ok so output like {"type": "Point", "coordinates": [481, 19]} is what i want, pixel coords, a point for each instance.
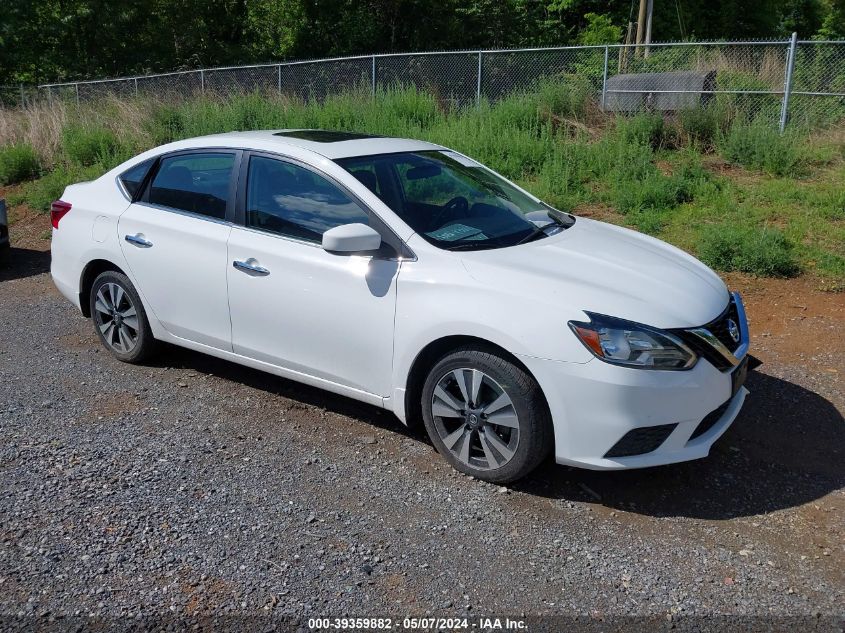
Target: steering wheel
{"type": "Point", "coordinates": [458, 204]}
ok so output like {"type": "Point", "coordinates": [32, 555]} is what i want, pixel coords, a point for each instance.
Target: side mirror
{"type": "Point", "coordinates": [351, 238]}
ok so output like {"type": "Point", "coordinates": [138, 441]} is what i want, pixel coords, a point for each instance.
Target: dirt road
{"type": "Point", "coordinates": [193, 488]}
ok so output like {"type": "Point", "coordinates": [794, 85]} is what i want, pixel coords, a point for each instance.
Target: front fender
{"type": "Point", "coordinates": [440, 299]}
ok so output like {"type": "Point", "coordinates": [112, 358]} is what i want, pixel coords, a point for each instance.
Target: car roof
{"type": "Point", "coordinates": [327, 143]}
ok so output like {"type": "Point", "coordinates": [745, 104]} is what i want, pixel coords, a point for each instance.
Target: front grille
{"type": "Point", "coordinates": [641, 441]}
{"type": "Point", "coordinates": [709, 420]}
{"type": "Point", "coordinates": [719, 328]}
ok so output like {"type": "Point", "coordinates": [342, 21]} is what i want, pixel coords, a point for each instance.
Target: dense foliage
{"type": "Point", "coordinates": [44, 40]}
{"type": "Point", "coordinates": [711, 181]}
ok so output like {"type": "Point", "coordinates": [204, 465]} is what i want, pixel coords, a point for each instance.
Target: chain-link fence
{"type": "Point", "coordinates": [800, 82]}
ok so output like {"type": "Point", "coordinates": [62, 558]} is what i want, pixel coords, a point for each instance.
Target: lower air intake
{"type": "Point", "coordinates": [709, 421]}
{"type": "Point", "coordinates": [641, 441]}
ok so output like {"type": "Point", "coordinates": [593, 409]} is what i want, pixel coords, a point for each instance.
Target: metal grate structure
{"type": "Point", "coordinates": [796, 82]}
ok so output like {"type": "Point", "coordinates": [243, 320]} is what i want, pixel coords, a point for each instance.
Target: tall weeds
{"type": "Point", "coordinates": [648, 169]}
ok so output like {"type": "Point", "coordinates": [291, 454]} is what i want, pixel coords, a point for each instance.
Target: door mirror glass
{"type": "Point", "coordinates": [351, 238]}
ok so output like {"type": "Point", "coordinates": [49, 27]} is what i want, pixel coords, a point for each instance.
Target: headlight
{"type": "Point", "coordinates": [632, 344]}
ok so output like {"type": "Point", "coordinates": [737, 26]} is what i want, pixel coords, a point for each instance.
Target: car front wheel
{"type": "Point", "coordinates": [120, 319]}
{"type": "Point", "coordinates": [486, 415]}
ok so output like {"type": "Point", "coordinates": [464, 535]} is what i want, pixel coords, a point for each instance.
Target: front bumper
{"type": "Point", "coordinates": [594, 405]}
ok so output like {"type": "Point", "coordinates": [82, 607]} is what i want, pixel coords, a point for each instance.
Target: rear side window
{"type": "Point", "coordinates": [290, 200]}
{"type": "Point", "coordinates": [198, 183]}
{"type": "Point", "coordinates": [134, 176]}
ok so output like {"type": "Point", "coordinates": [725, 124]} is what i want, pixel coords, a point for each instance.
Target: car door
{"type": "Point", "coordinates": [295, 305]}
{"type": "Point", "coordinates": [174, 239]}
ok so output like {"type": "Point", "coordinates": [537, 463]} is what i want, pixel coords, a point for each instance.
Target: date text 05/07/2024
{"type": "Point", "coordinates": [439, 624]}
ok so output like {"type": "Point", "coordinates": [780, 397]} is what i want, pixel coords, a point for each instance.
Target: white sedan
{"type": "Point", "coordinates": [409, 276]}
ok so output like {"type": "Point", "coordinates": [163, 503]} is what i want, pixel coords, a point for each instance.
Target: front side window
{"type": "Point", "coordinates": [198, 183]}
{"type": "Point", "coordinates": [134, 176]}
{"type": "Point", "coordinates": [290, 200]}
{"type": "Point", "coordinates": [453, 202]}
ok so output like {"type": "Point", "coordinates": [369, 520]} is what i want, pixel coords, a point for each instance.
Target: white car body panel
{"type": "Point", "coordinates": [315, 312]}
{"type": "Point", "coordinates": [182, 277]}
{"type": "Point", "coordinates": [88, 233]}
{"type": "Point", "coordinates": [610, 269]}
{"type": "Point", "coordinates": [355, 324]}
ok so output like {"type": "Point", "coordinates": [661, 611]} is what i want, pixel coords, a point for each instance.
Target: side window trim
{"type": "Point", "coordinates": [401, 250]}
{"type": "Point", "coordinates": [234, 178]}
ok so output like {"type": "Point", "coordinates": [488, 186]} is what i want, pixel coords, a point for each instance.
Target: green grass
{"type": "Point", "coordinates": [764, 252]}
{"type": "Point", "coordinates": [39, 194]}
{"type": "Point", "coordinates": [760, 146]}
{"type": "Point", "coordinates": [88, 145]}
{"type": "Point", "coordinates": [714, 181]}
{"type": "Point", "coordinates": [18, 163]}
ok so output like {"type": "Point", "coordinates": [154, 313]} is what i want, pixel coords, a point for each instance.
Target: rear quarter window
{"type": "Point", "coordinates": [132, 178]}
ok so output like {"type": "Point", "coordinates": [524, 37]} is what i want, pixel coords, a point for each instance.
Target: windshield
{"type": "Point", "coordinates": [452, 201]}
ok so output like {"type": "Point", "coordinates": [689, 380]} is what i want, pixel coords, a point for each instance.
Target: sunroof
{"type": "Point", "coordinates": [324, 136]}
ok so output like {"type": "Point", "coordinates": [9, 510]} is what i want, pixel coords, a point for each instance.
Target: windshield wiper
{"type": "Point", "coordinates": [558, 219]}
{"type": "Point", "coordinates": [472, 246]}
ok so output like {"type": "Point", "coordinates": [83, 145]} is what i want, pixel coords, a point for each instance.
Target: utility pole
{"type": "Point", "coordinates": [641, 23]}
{"type": "Point", "coordinates": [644, 27]}
{"type": "Point", "coordinates": [624, 51]}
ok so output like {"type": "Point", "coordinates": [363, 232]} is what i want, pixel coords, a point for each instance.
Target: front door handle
{"type": "Point", "coordinates": [138, 240]}
{"type": "Point", "coordinates": [250, 267]}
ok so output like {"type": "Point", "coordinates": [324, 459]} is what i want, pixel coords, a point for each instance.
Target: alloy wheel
{"type": "Point", "coordinates": [116, 317]}
{"type": "Point", "coordinates": [475, 419]}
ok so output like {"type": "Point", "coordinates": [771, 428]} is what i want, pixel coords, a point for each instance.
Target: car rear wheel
{"type": "Point", "coordinates": [119, 318]}
{"type": "Point", "coordinates": [486, 415]}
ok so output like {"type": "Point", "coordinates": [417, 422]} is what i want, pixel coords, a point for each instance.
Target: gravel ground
{"type": "Point", "coordinates": [192, 488]}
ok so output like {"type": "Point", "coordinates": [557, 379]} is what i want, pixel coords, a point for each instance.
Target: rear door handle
{"type": "Point", "coordinates": [138, 240]}
{"type": "Point", "coordinates": [251, 268]}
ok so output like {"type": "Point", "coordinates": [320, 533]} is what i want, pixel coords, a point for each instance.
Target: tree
{"type": "Point", "coordinates": [833, 21]}
{"type": "Point", "coordinates": [47, 40]}
{"type": "Point", "coordinates": [599, 30]}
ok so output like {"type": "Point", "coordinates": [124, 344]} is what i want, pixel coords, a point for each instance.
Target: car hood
{"type": "Point", "coordinates": [602, 268]}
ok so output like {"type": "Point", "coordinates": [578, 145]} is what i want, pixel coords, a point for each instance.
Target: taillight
{"type": "Point", "coordinates": [57, 211]}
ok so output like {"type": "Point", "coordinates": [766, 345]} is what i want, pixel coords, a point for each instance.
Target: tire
{"type": "Point", "coordinates": [500, 438]}
{"type": "Point", "coordinates": [123, 329]}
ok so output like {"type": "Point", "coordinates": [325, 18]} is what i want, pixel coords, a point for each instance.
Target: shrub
{"type": "Point", "coordinates": [90, 145]}
{"type": "Point", "coordinates": [567, 97]}
{"type": "Point", "coordinates": [764, 252]}
{"type": "Point", "coordinates": [695, 181]}
{"type": "Point", "coordinates": [643, 129]}
{"type": "Point", "coordinates": [653, 192]}
{"type": "Point", "coordinates": [411, 106]}
{"type": "Point", "coordinates": [599, 29]}
{"type": "Point", "coordinates": [39, 194]}
{"type": "Point", "coordinates": [649, 220]}
{"type": "Point", "coordinates": [646, 197]}
{"type": "Point", "coordinates": [519, 111]}
{"type": "Point", "coordinates": [833, 207]}
{"type": "Point", "coordinates": [561, 178]}
{"type": "Point", "coordinates": [761, 106]}
{"type": "Point", "coordinates": [18, 163]}
{"type": "Point", "coordinates": [484, 134]}
{"type": "Point", "coordinates": [702, 126]}
{"type": "Point", "coordinates": [830, 265]}
{"type": "Point", "coordinates": [760, 146]}
{"type": "Point", "coordinates": [621, 159]}
{"type": "Point", "coordinates": [166, 124]}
